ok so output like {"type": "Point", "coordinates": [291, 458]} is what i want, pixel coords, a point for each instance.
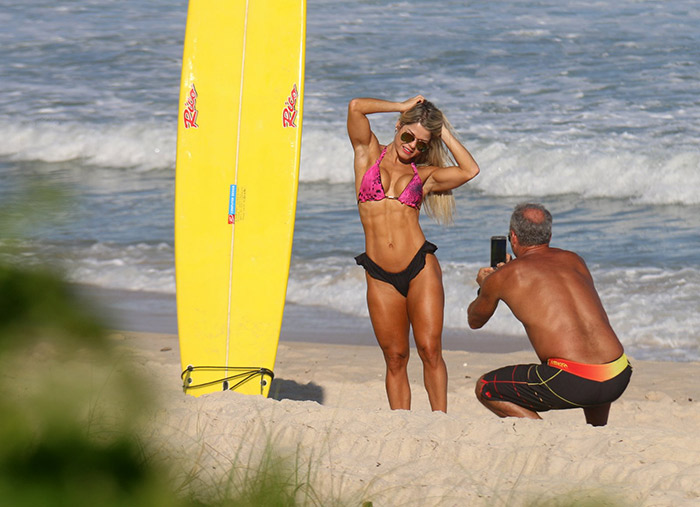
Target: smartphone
{"type": "Point", "coordinates": [498, 250]}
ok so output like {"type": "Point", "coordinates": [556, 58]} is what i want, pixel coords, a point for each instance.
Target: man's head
{"type": "Point", "coordinates": [532, 224]}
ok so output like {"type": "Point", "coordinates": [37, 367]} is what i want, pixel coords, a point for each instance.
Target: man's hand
{"type": "Point", "coordinates": [483, 273]}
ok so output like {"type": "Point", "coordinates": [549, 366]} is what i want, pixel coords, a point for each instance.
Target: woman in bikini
{"type": "Point", "coordinates": [404, 279]}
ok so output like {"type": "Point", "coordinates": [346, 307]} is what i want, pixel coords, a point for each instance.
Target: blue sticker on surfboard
{"type": "Point", "coordinates": [232, 205]}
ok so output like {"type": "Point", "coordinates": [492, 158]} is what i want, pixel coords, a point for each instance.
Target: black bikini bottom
{"type": "Point", "coordinates": [400, 280]}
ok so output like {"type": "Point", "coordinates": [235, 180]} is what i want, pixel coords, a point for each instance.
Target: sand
{"type": "Point", "coordinates": [328, 414]}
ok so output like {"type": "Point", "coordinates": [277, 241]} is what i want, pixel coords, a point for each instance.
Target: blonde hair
{"type": "Point", "coordinates": [440, 206]}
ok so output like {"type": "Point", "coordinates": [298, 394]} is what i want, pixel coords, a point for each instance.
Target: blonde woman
{"type": "Point", "coordinates": [404, 279]}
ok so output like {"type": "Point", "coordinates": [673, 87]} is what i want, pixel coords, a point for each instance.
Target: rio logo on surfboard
{"type": "Point", "coordinates": [289, 114]}
{"type": "Point", "coordinates": [189, 116]}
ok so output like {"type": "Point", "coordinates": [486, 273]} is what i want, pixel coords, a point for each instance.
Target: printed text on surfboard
{"type": "Point", "coordinates": [289, 115]}
{"type": "Point", "coordinates": [190, 114]}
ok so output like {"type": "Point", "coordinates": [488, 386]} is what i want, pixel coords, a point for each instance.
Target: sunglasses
{"type": "Point", "coordinates": [421, 146]}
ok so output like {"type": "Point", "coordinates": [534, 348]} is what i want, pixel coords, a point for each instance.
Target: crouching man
{"type": "Point", "coordinates": [552, 293]}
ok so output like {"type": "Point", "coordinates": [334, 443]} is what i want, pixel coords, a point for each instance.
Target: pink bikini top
{"type": "Point", "coordinates": [371, 188]}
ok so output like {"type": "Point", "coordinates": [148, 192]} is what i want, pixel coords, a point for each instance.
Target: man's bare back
{"type": "Point", "coordinates": [552, 293]}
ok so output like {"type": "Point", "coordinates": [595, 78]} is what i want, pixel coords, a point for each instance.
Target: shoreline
{"type": "Point", "coordinates": [153, 312]}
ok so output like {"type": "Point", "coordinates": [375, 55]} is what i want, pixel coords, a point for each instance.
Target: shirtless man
{"type": "Point", "coordinates": [552, 293]}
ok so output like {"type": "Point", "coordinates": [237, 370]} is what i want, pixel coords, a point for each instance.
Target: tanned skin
{"type": "Point", "coordinates": [552, 293]}
{"type": "Point", "coordinates": [392, 237]}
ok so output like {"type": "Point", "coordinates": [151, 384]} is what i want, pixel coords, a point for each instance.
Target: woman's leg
{"type": "Point", "coordinates": [426, 305]}
{"type": "Point", "coordinates": [387, 310]}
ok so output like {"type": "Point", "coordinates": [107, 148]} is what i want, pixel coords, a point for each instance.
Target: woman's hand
{"type": "Point", "coordinates": [406, 105]}
{"type": "Point", "coordinates": [448, 178]}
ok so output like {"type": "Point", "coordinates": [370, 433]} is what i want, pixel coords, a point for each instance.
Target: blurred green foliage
{"type": "Point", "coordinates": [37, 303]}
{"type": "Point", "coordinates": [70, 408]}
{"type": "Point", "coordinates": [69, 412]}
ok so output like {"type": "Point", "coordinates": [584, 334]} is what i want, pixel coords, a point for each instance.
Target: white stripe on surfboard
{"type": "Point", "coordinates": [235, 182]}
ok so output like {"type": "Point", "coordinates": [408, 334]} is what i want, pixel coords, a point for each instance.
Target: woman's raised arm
{"type": "Point", "coordinates": [447, 178]}
{"type": "Point", "coordinates": [359, 129]}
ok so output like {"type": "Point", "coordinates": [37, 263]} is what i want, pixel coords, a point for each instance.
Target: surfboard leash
{"type": "Point", "coordinates": [245, 374]}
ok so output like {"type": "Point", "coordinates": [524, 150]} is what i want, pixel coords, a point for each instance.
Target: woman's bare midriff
{"type": "Point", "coordinates": [392, 233]}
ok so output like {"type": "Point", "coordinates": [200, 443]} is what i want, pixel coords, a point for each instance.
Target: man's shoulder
{"type": "Point", "coordinates": [557, 252]}
{"type": "Point", "coordinates": [562, 251]}
{"type": "Point", "coordinates": [547, 259]}
{"type": "Point", "coordinates": [567, 254]}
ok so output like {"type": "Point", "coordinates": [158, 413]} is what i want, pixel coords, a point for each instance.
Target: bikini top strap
{"type": "Point", "coordinates": [381, 157]}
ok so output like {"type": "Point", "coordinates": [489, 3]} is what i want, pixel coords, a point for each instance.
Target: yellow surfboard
{"type": "Point", "coordinates": [238, 149]}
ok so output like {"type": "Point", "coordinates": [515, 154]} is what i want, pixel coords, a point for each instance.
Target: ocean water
{"type": "Point", "coordinates": [592, 108]}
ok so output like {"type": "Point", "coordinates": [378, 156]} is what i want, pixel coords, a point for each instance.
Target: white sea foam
{"type": "Point", "coordinates": [653, 178]}
{"type": "Point", "coordinates": [137, 267]}
{"type": "Point", "coordinates": [113, 145]}
{"type": "Point", "coordinates": [653, 308]}
{"type": "Point", "coordinates": [536, 169]}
